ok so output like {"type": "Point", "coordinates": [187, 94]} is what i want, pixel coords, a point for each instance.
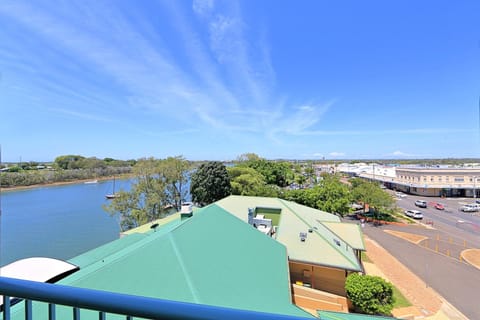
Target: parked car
{"type": "Point", "coordinates": [439, 206]}
{"type": "Point", "coordinates": [421, 203]}
{"type": "Point", "coordinates": [400, 195]}
{"type": "Point", "coordinates": [471, 207]}
{"type": "Point", "coordinates": [415, 214]}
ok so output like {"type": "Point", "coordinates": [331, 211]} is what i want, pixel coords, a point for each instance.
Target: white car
{"type": "Point", "coordinates": [415, 214]}
{"type": "Point", "coordinates": [471, 207]}
{"type": "Point", "coordinates": [421, 203]}
{"type": "Point", "coordinates": [400, 195]}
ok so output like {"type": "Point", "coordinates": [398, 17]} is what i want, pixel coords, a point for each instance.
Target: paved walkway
{"type": "Point", "coordinates": [427, 303]}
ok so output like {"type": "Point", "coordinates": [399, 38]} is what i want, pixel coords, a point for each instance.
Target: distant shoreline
{"type": "Point", "coordinates": [60, 183]}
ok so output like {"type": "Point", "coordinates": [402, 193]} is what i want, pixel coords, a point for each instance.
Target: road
{"type": "Point", "coordinates": [436, 260]}
{"type": "Point", "coordinates": [451, 220]}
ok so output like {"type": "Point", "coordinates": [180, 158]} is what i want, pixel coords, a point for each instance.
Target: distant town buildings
{"type": "Point", "coordinates": [435, 181]}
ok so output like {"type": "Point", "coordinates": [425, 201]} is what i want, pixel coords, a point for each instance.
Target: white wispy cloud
{"type": "Point", "coordinates": [383, 132]}
{"type": "Point", "coordinates": [231, 88]}
{"type": "Point", "coordinates": [80, 115]}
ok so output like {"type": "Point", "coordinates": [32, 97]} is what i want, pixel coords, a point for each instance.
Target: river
{"type": "Point", "coordinates": [56, 221]}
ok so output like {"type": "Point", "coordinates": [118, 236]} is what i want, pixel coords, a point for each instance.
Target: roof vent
{"type": "Point", "coordinates": [337, 242]}
{"type": "Point", "coordinates": [303, 236]}
{"type": "Point", "coordinates": [186, 211]}
{"type": "Point", "coordinates": [251, 213]}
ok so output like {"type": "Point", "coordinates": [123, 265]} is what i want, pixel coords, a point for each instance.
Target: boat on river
{"type": "Point", "coordinates": [112, 195]}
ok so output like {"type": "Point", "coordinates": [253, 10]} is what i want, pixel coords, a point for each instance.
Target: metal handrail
{"type": "Point", "coordinates": [124, 304]}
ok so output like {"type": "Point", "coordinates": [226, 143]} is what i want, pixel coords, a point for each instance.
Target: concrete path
{"type": "Point", "coordinates": [455, 280]}
{"type": "Point", "coordinates": [427, 303]}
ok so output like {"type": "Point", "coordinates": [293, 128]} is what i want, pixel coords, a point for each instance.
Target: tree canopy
{"type": "Point", "coordinates": [277, 173]}
{"type": "Point", "coordinates": [159, 185]}
{"type": "Point", "coordinates": [370, 193]}
{"type": "Point", "coordinates": [209, 183]}
{"type": "Point", "coordinates": [247, 181]}
{"type": "Point", "coordinates": [330, 195]}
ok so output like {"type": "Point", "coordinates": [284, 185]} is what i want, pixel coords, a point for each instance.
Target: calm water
{"type": "Point", "coordinates": [58, 222]}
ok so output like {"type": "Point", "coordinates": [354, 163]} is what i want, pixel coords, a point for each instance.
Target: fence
{"type": "Point", "coordinates": [447, 245]}
{"type": "Point", "coordinates": [114, 303]}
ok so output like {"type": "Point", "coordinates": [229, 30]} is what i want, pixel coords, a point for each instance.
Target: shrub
{"type": "Point", "coordinates": [370, 294]}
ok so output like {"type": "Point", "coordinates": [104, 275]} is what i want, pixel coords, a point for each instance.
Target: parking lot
{"type": "Point", "coordinates": [465, 225]}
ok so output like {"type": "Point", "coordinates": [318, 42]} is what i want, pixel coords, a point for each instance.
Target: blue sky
{"type": "Point", "coordinates": [213, 79]}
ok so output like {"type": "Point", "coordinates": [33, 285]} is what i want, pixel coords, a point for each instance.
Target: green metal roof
{"type": "Point", "coordinates": [331, 315]}
{"type": "Point", "coordinates": [349, 232]}
{"type": "Point", "coordinates": [212, 258]}
{"type": "Point", "coordinates": [322, 246]}
{"type": "Point", "coordinates": [146, 227]}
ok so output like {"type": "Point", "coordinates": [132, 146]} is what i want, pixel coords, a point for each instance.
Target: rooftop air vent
{"type": "Point", "coordinates": [186, 211]}
{"type": "Point", "coordinates": [303, 236]}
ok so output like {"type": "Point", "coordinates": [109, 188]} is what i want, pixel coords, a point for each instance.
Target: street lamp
{"type": "Point", "coordinates": [474, 191]}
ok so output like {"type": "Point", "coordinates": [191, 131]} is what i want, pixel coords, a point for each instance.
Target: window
{"type": "Point", "coordinates": [459, 179]}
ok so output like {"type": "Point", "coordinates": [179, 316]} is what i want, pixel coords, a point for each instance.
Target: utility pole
{"type": "Point", "coordinates": [1, 233]}
{"type": "Point", "coordinates": [474, 191]}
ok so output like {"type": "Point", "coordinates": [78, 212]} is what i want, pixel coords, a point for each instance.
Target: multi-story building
{"type": "Point", "coordinates": [447, 182]}
{"type": "Point", "coordinates": [442, 181]}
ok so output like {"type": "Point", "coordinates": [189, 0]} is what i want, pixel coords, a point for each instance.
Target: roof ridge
{"type": "Point", "coordinates": [182, 265]}
{"type": "Point", "coordinates": [340, 222]}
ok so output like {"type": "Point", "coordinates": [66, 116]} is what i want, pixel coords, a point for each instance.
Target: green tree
{"type": "Point", "coordinates": [333, 195]}
{"type": "Point", "coordinates": [68, 161]}
{"type": "Point", "coordinates": [370, 294]}
{"type": "Point", "coordinates": [370, 193]}
{"type": "Point", "coordinates": [210, 183]}
{"type": "Point", "coordinates": [330, 195]}
{"type": "Point", "coordinates": [245, 181]}
{"type": "Point", "coordinates": [245, 157]}
{"type": "Point", "coordinates": [175, 176]}
{"type": "Point", "coordinates": [159, 185]}
{"type": "Point", "coordinates": [277, 173]}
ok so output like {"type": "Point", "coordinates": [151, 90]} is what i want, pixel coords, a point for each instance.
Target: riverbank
{"type": "Point", "coordinates": [62, 183]}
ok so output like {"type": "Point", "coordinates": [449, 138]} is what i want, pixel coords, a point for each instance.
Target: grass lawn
{"type": "Point", "coordinates": [400, 300]}
{"type": "Point", "coordinates": [365, 257]}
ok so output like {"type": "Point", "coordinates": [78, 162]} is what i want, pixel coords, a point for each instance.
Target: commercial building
{"type": "Point", "coordinates": [441, 181]}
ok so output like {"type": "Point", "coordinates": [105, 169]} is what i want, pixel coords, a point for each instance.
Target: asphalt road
{"type": "Point", "coordinates": [451, 220]}
{"type": "Point", "coordinates": [456, 281]}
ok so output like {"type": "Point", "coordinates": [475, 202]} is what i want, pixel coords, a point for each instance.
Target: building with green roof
{"type": "Point", "coordinates": [250, 253]}
{"type": "Point", "coordinates": [322, 250]}
{"type": "Point", "coordinates": [212, 258]}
